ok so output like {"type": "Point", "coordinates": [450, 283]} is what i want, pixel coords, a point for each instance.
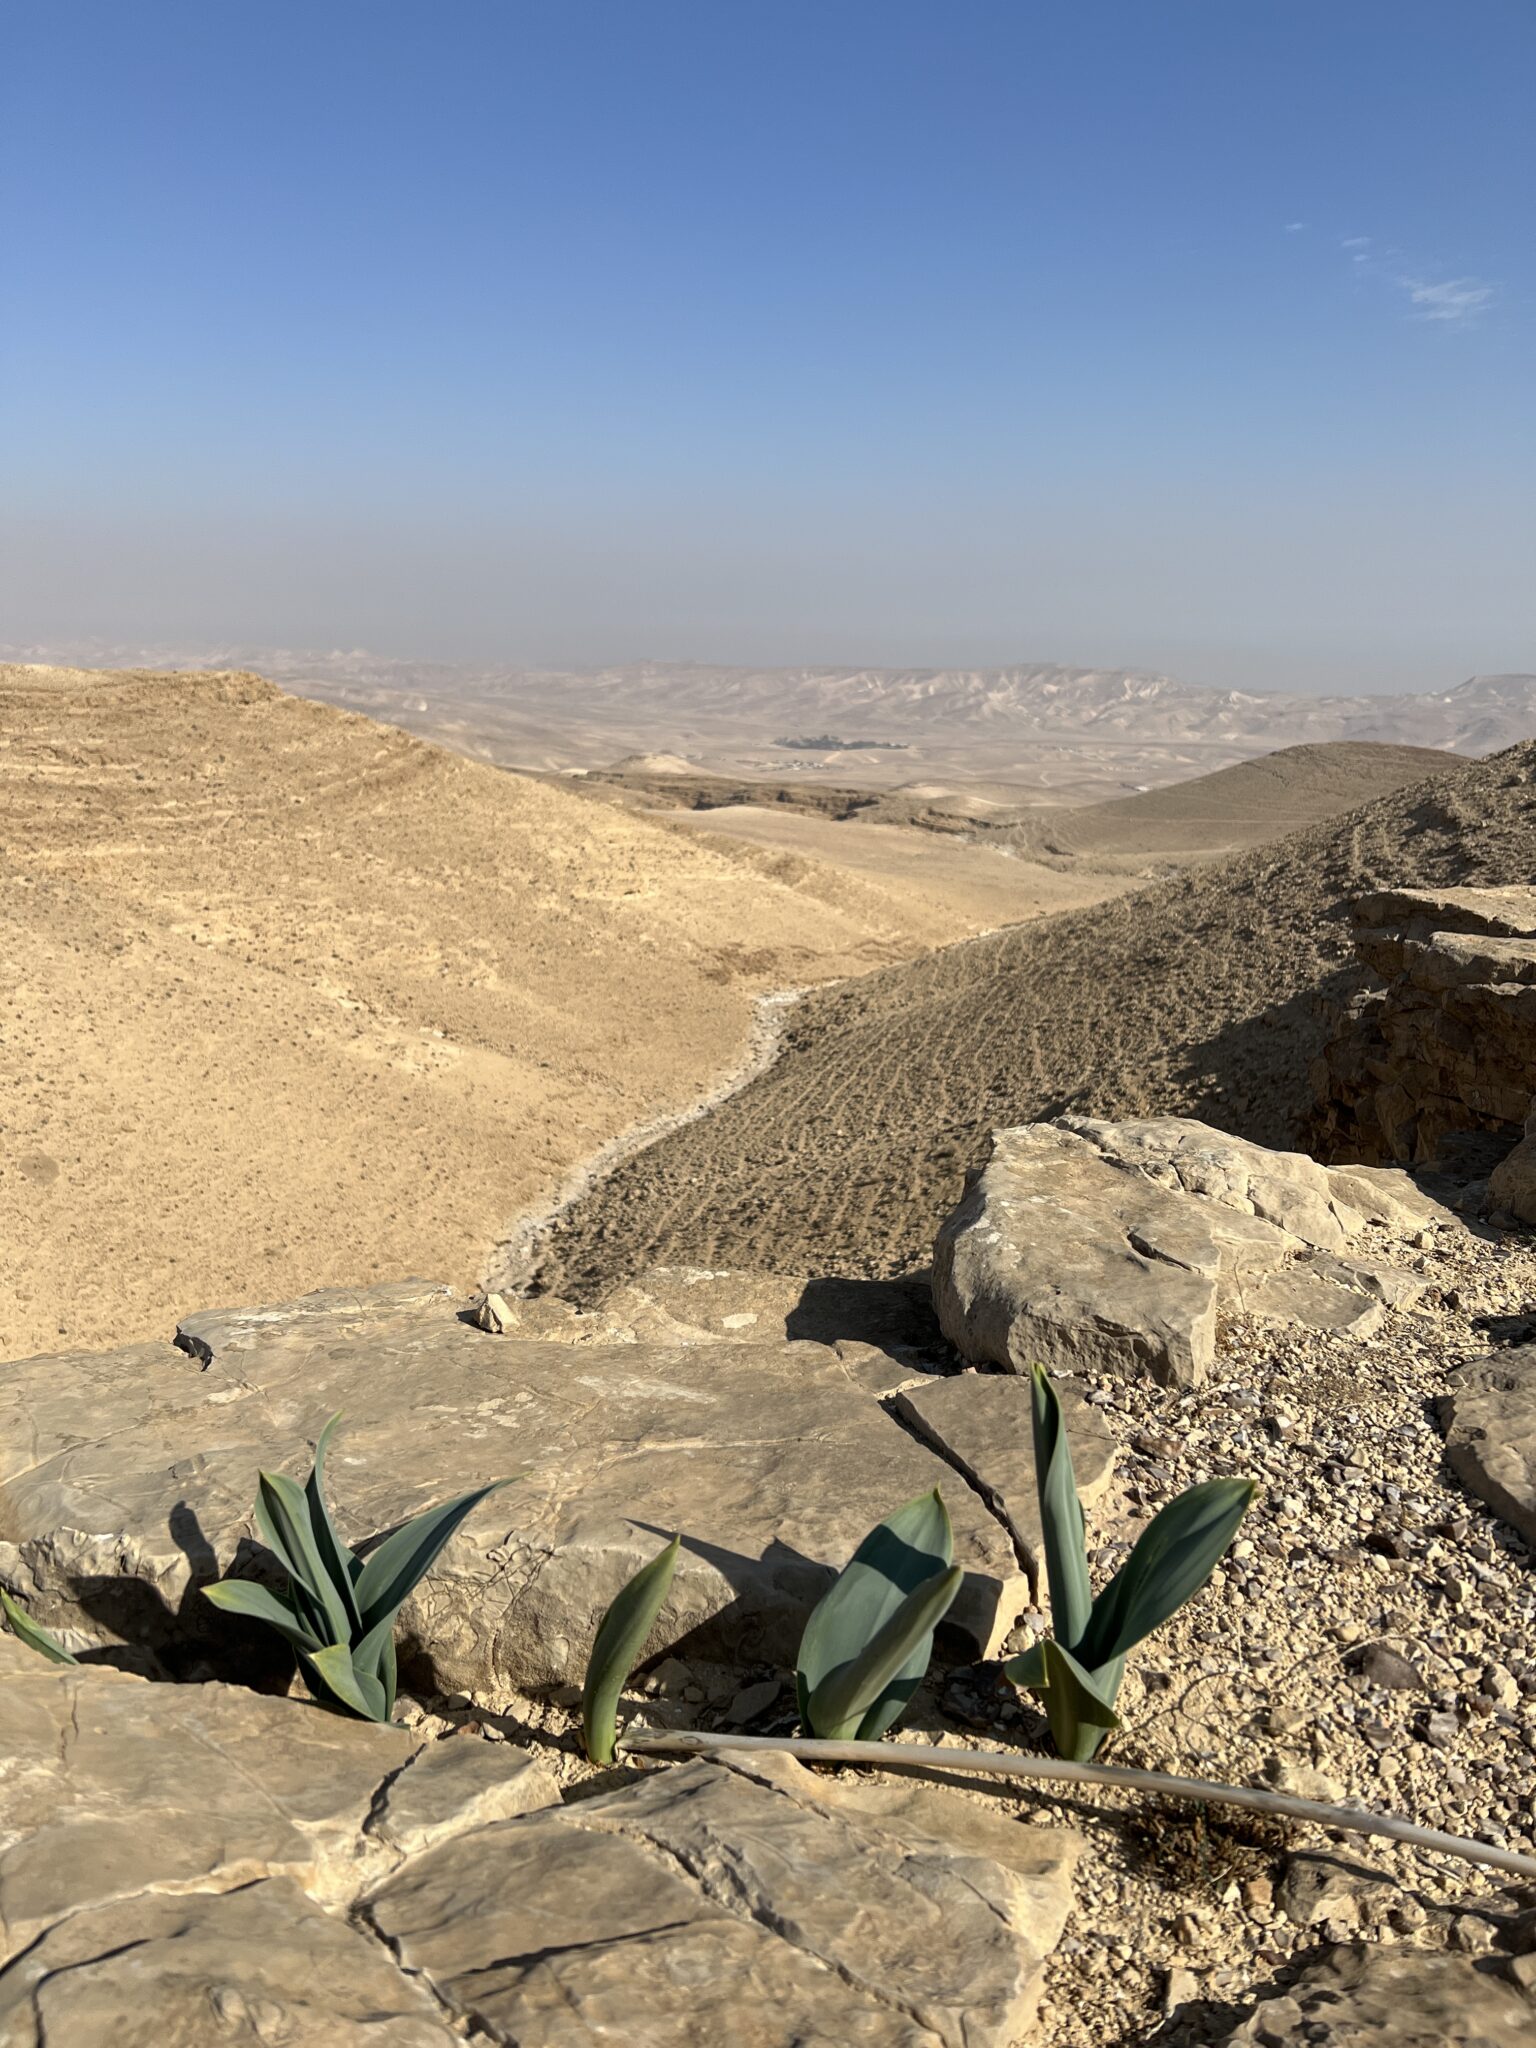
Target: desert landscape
{"type": "Point", "coordinates": [386, 1000]}
{"type": "Point", "coordinates": [694, 1099]}
{"type": "Point", "coordinates": [768, 1027]}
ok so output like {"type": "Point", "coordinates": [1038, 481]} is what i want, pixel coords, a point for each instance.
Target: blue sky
{"type": "Point", "coordinates": [1194, 335]}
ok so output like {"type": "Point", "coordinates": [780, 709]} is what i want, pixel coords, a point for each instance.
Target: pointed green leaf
{"type": "Point", "coordinates": [898, 1555]}
{"type": "Point", "coordinates": [846, 1695]}
{"type": "Point", "coordinates": [1076, 1705]}
{"type": "Point", "coordinates": [1027, 1669]}
{"type": "Point", "coordinates": [339, 1681]}
{"type": "Point", "coordinates": [1061, 1516]}
{"type": "Point", "coordinates": [1176, 1553]}
{"type": "Point", "coordinates": [388, 1677]}
{"type": "Point", "coordinates": [403, 1559]}
{"type": "Point", "coordinates": [368, 1651]}
{"type": "Point", "coordinates": [619, 1640]}
{"type": "Point", "coordinates": [245, 1597]}
{"type": "Point", "coordinates": [334, 1554]}
{"type": "Point", "coordinates": [282, 1514]}
{"type": "Point", "coordinates": [33, 1634]}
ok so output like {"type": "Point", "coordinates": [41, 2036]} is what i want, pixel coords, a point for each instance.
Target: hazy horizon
{"type": "Point", "coordinates": [94, 653]}
{"type": "Point", "coordinates": [1192, 340]}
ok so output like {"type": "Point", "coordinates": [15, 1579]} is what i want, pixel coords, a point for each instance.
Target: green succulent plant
{"type": "Point", "coordinates": [867, 1644]}
{"type": "Point", "coordinates": [33, 1634]}
{"type": "Point", "coordinates": [620, 1638]}
{"type": "Point", "coordinates": [340, 1610]}
{"type": "Point", "coordinates": [1077, 1673]}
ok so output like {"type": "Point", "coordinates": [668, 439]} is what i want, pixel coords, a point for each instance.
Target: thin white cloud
{"type": "Point", "coordinates": [1449, 301]}
{"type": "Point", "coordinates": [1295, 227]}
{"type": "Point", "coordinates": [1458, 300]}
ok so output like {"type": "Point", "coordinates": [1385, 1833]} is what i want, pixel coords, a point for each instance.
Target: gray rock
{"type": "Point", "coordinates": [1055, 1257]}
{"type": "Point", "coordinates": [1286, 1189]}
{"type": "Point", "coordinates": [1388, 1668]}
{"type": "Point", "coordinates": [185, 1863]}
{"type": "Point", "coordinates": [458, 1784]}
{"type": "Point", "coordinates": [259, 1964]}
{"type": "Point", "coordinates": [1363, 1996]}
{"type": "Point", "coordinates": [1512, 1183]}
{"type": "Point", "coordinates": [1318, 1886]}
{"type": "Point", "coordinates": [113, 1787]}
{"type": "Point", "coordinates": [753, 1904]}
{"type": "Point", "coordinates": [981, 1422]}
{"type": "Point", "coordinates": [1436, 1067]}
{"type": "Point", "coordinates": [1090, 1246]}
{"type": "Point", "coordinates": [1498, 913]}
{"type": "Point", "coordinates": [751, 1701]}
{"type": "Point", "coordinates": [1301, 1294]}
{"type": "Point", "coordinates": [130, 1476]}
{"type": "Point", "coordinates": [1489, 1419]}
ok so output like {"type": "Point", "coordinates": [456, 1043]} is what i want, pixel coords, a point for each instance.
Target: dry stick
{"type": "Point", "coordinates": [911, 1756]}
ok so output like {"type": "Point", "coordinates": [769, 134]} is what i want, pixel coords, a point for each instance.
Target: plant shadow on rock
{"type": "Point", "coordinates": [191, 1642]}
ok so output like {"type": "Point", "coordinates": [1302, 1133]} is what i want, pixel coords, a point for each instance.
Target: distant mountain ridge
{"type": "Point", "coordinates": [1047, 702]}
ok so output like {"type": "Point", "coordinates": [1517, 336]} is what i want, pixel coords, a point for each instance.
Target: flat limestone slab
{"type": "Point", "coordinates": [184, 1864]}
{"type": "Point", "coordinates": [749, 1903]}
{"type": "Point", "coordinates": [260, 1964]}
{"type": "Point", "coordinates": [110, 1787]}
{"type": "Point", "coordinates": [127, 1480]}
{"type": "Point", "coordinates": [1489, 1419]}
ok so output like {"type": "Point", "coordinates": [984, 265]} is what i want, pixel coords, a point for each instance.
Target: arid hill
{"type": "Point", "coordinates": [289, 999]}
{"type": "Point", "coordinates": [1067, 734]}
{"type": "Point", "coordinates": [1194, 997]}
{"type": "Point", "coordinates": [1246, 805]}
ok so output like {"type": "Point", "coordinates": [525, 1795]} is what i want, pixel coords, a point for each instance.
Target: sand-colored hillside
{"type": "Point", "coordinates": [1245, 805]}
{"type": "Point", "coordinates": [958, 886]}
{"type": "Point", "coordinates": [289, 999]}
{"type": "Point", "coordinates": [1195, 997]}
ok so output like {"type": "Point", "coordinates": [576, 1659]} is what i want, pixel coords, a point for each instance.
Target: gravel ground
{"type": "Point", "coordinates": [1370, 1641]}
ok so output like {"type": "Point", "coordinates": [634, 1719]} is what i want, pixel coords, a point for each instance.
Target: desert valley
{"type": "Point", "coordinates": [700, 1099]}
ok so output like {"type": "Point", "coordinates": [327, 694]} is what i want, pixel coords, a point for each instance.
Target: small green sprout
{"type": "Point", "coordinates": [1077, 1674]}
{"type": "Point", "coordinates": [340, 1611]}
{"type": "Point", "coordinates": [868, 1643]}
{"type": "Point", "coordinates": [620, 1638]}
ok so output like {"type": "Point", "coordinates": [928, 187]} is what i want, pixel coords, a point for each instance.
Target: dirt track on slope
{"type": "Point", "coordinates": [1195, 997]}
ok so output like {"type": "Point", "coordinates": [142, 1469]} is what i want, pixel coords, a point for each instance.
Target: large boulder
{"type": "Point", "coordinates": [1088, 1245]}
{"type": "Point", "coordinates": [127, 1481]}
{"type": "Point", "coordinates": [180, 1864]}
{"type": "Point", "coordinates": [1489, 1417]}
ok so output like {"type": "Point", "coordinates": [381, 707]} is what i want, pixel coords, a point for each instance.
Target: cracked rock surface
{"type": "Point", "coordinates": [186, 1863]}
{"type": "Point", "coordinates": [129, 1477]}
{"type": "Point", "coordinates": [743, 1902]}
{"type": "Point", "coordinates": [1089, 1246]}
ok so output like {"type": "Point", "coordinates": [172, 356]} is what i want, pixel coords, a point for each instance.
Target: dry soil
{"type": "Point", "coordinates": [289, 999]}
{"type": "Point", "coordinates": [1198, 997]}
